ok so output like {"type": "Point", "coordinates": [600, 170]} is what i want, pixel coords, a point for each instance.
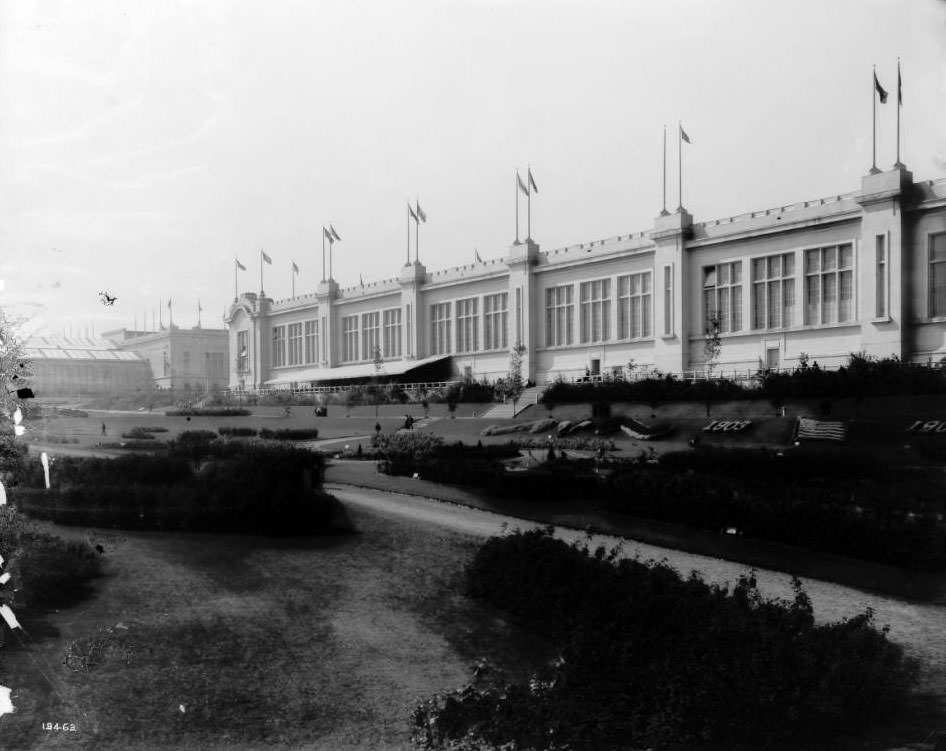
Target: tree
{"type": "Point", "coordinates": [512, 386]}
{"type": "Point", "coordinates": [712, 346]}
{"type": "Point", "coordinates": [378, 361]}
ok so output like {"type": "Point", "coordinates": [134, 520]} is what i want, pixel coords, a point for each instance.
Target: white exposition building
{"type": "Point", "coordinates": [858, 272]}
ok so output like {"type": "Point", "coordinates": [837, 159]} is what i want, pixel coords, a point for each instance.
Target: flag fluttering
{"type": "Point", "coordinates": [266, 258]}
{"type": "Point", "coordinates": [881, 92]}
{"type": "Point", "coordinates": [295, 268]}
{"type": "Point", "coordinates": [532, 182]}
{"type": "Point", "coordinates": [411, 211]}
{"type": "Point", "coordinates": [477, 253]}
{"type": "Point", "coordinates": [420, 213]}
{"type": "Point", "coordinates": [239, 265]}
{"type": "Point", "coordinates": [522, 186]}
{"type": "Point", "coordinates": [899, 86]}
{"type": "Point", "coordinates": [328, 235]}
{"type": "Point", "coordinates": [684, 136]}
{"type": "Point", "coordinates": [335, 235]}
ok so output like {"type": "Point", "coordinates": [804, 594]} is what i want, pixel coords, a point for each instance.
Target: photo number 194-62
{"type": "Point", "coordinates": [62, 727]}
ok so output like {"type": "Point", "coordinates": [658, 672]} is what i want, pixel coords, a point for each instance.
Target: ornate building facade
{"type": "Point", "coordinates": [859, 272]}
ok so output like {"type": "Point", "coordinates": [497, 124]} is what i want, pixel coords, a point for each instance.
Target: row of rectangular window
{"type": "Point", "coordinates": [828, 289]}
{"type": "Point", "coordinates": [377, 337]}
{"type": "Point", "coordinates": [467, 319]}
{"type": "Point", "coordinates": [635, 310]}
{"type": "Point", "coordinates": [293, 344]}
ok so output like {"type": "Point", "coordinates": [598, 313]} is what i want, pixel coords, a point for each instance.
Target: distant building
{"type": "Point", "coordinates": [181, 359]}
{"type": "Point", "coordinates": [77, 366]}
{"type": "Point", "coordinates": [863, 271]}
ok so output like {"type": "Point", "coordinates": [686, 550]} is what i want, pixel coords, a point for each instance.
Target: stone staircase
{"type": "Point", "coordinates": [505, 409]}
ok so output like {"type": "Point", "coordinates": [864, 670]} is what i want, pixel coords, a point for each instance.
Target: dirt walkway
{"type": "Point", "coordinates": [584, 514]}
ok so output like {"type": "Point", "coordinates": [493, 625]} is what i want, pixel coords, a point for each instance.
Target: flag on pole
{"type": "Point", "coordinates": [532, 182]}
{"type": "Point", "coordinates": [265, 257]}
{"type": "Point", "coordinates": [199, 309]}
{"type": "Point", "coordinates": [240, 266]}
{"type": "Point", "coordinates": [899, 86]}
{"type": "Point", "coordinates": [334, 233]}
{"type": "Point", "coordinates": [328, 235]}
{"type": "Point", "coordinates": [295, 268]}
{"type": "Point", "coordinates": [522, 186]}
{"type": "Point", "coordinates": [169, 303]}
{"type": "Point", "coordinates": [361, 279]}
{"type": "Point", "coordinates": [881, 92]}
{"type": "Point", "coordinates": [411, 210]}
{"type": "Point", "coordinates": [477, 252]}
{"type": "Point", "coordinates": [420, 213]}
{"type": "Point", "coordinates": [684, 136]}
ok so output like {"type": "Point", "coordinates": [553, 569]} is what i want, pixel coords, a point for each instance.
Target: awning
{"type": "Point", "coordinates": [349, 372]}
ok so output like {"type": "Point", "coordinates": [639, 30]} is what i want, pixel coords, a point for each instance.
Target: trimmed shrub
{"type": "Point", "coordinates": [253, 489]}
{"type": "Point", "coordinates": [290, 434]}
{"type": "Point", "coordinates": [208, 412]}
{"type": "Point", "coordinates": [234, 432]}
{"type": "Point", "coordinates": [649, 658]}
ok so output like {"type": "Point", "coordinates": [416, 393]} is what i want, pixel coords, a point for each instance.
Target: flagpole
{"type": "Point", "coordinates": [517, 207]}
{"type": "Point", "coordinates": [873, 97]}
{"type": "Point", "coordinates": [198, 312]}
{"type": "Point", "coordinates": [417, 234]}
{"type": "Point", "coordinates": [899, 99]}
{"type": "Point", "coordinates": [261, 292]}
{"type": "Point", "coordinates": [331, 246]}
{"type": "Point", "coordinates": [293, 283]}
{"type": "Point", "coordinates": [663, 211]}
{"type": "Point", "coordinates": [235, 283]}
{"type": "Point", "coordinates": [323, 254]}
{"type": "Point", "coordinates": [408, 233]}
{"type": "Point", "coordinates": [529, 204]}
{"type": "Point", "coordinates": [680, 162]}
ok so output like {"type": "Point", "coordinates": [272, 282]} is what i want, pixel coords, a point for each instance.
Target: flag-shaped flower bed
{"type": "Point", "coordinates": [642, 432]}
{"type": "Point", "coordinates": [821, 430]}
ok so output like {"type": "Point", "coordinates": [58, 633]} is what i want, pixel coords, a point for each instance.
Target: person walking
{"type": "Point", "coordinates": [103, 429]}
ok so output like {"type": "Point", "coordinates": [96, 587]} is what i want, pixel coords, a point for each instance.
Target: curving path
{"type": "Point", "coordinates": [918, 626]}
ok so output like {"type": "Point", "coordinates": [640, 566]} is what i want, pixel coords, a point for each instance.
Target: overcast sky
{"type": "Point", "coordinates": [144, 145]}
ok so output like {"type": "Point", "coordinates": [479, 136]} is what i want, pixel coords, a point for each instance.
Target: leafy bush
{"type": "Point", "coordinates": [838, 503]}
{"type": "Point", "coordinates": [46, 570]}
{"type": "Point", "coordinates": [650, 658]}
{"type": "Point", "coordinates": [130, 445]}
{"type": "Point", "coordinates": [208, 412]}
{"type": "Point", "coordinates": [50, 571]}
{"type": "Point", "coordinates": [252, 489]}
{"type": "Point", "coordinates": [290, 434]}
{"type": "Point", "coordinates": [139, 434]}
{"type": "Point", "coordinates": [238, 432]}
{"type": "Point", "coordinates": [861, 377]}
{"type": "Point", "coordinates": [470, 391]}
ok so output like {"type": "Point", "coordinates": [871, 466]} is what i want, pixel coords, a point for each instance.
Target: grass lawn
{"type": "Point", "coordinates": [226, 642]}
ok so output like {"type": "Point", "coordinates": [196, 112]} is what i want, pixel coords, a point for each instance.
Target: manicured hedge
{"type": "Point", "coordinates": [238, 432]}
{"type": "Point", "coordinates": [290, 434]}
{"type": "Point", "coordinates": [863, 376]}
{"type": "Point", "coordinates": [826, 501]}
{"type": "Point", "coordinates": [253, 489]}
{"type": "Point", "coordinates": [650, 659]}
{"type": "Point", "coordinates": [208, 412]}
